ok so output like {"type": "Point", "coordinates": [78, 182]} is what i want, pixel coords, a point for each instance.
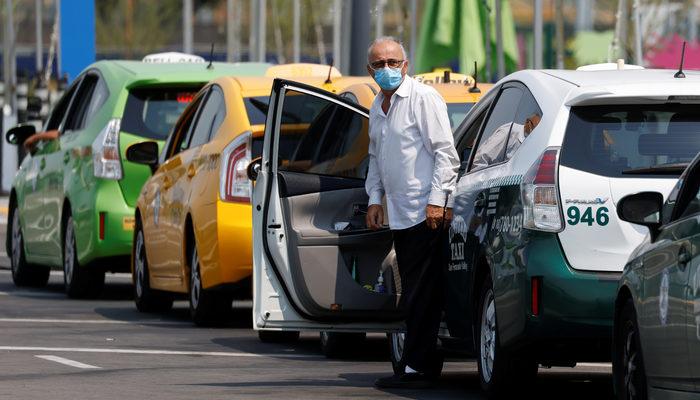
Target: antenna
{"type": "Point", "coordinates": [211, 57]}
{"type": "Point", "coordinates": [330, 70]}
{"type": "Point", "coordinates": [680, 73]}
{"type": "Point", "coordinates": [475, 89]}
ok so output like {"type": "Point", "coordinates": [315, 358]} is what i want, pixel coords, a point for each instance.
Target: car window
{"type": "Point", "coordinates": [457, 112]}
{"type": "Point", "coordinates": [491, 147]}
{"type": "Point", "coordinates": [687, 196]}
{"type": "Point", "coordinates": [526, 120]}
{"type": "Point", "coordinates": [59, 111]}
{"type": "Point", "coordinates": [88, 100]}
{"type": "Point", "coordinates": [184, 127]}
{"type": "Point", "coordinates": [210, 118]}
{"type": "Point", "coordinates": [350, 96]}
{"type": "Point", "coordinates": [629, 141]}
{"type": "Point", "coordinates": [322, 137]}
{"type": "Point", "coordinates": [466, 143]}
{"type": "Point", "coordinates": [152, 111]}
{"type": "Point", "coordinates": [99, 96]}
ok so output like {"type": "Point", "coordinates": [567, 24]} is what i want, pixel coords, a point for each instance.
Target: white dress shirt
{"type": "Point", "coordinates": [412, 158]}
{"type": "Point", "coordinates": [490, 151]}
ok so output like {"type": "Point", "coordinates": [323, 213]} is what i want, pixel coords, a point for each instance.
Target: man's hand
{"type": "Point", "coordinates": [433, 216]}
{"type": "Point", "coordinates": [32, 141]}
{"type": "Point", "coordinates": [375, 217]}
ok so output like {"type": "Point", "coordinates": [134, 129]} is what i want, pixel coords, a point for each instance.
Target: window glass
{"type": "Point", "coordinates": [151, 112]}
{"type": "Point", "coordinates": [59, 110]}
{"type": "Point", "coordinates": [322, 137]}
{"type": "Point", "coordinates": [350, 96]}
{"type": "Point", "coordinates": [183, 130]}
{"type": "Point", "coordinates": [457, 112]}
{"type": "Point", "coordinates": [209, 119]}
{"type": "Point", "coordinates": [80, 103]}
{"type": "Point", "coordinates": [466, 143]}
{"type": "Point", "coordinates": [491, 147]}
{"type": "Point", "coordinates": [632, 140]}
{"type": "Point", "coordinates": [526, 120]}
{"type": "Point", "coordinates": [99, 95]}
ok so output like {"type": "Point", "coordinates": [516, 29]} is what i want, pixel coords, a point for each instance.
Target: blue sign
{"type": "Point", "coordinates": [77, 41]}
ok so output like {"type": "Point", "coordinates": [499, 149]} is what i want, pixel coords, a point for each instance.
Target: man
{"type": "Point", "coordinates": [413, 162]}
{"type": "Point", "coordinates": [514, 132]}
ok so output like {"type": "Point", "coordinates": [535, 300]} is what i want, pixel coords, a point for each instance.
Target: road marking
{"type": "Point", "coordinates": [4, 294]}
{"type": "Point", "coordinates": [91, 321]}
{"type": "Point", "coordinates": [594, 365]}
{"type": "Point", "coordinates": [154, 352]}
{"type": "Point", "coordinates": [68, 362]}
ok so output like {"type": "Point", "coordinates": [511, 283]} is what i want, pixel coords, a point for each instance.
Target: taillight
{"type": "Point", "coordinates": [541, 210]}
{"type": "Point", "coordinates": [107, 163]}
{"type": "Point", "coordinates": [235, 185]}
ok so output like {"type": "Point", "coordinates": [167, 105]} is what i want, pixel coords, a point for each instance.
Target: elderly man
{"type": "Point", "coordinates": [414, 164]}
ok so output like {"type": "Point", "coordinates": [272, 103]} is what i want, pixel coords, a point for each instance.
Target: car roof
{"type": "Point", "coordinates": [254, 86]}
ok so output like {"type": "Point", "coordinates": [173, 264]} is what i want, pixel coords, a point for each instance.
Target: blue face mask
{"type": "Point", "coordinates": [388, 78]}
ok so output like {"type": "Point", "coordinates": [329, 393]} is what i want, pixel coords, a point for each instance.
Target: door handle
{"type": "Point", "coordinates": [66, 157]}
{"type": "Point", "coordinates": [42, 163]}
{"type": "Point", "coordinates": [191, 171]}
{"type": "Point", "coordinates": [683, 257]}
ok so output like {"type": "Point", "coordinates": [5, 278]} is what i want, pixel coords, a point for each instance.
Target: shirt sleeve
{"type": "Point", "coordinates": [373, 183]}
{"type": "Point", "coordinates": [434, 125]}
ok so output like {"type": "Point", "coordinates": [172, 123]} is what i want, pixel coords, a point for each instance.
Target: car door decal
{"type": "Point", "coordinates": [663, 297]}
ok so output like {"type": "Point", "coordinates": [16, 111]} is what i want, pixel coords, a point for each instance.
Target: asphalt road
{"type": "Point", "coordinates": [56, 348]}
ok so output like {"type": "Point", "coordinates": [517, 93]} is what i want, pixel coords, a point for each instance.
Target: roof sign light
{"type": "Point", "coordinates": [185, 97]}
{"type": "Point", "coordinates": [172, 57]}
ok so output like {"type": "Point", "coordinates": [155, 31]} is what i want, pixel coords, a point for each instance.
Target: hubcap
{"type": "Point", "coordinates": [69, 254]}
{"type": "Point", "coordinates": [488, 337]}
{"type": "Point", "coordinates": [397, 342]}
{"type": "Point", "coordinates": [630, 364]}
{"type": "Point", "coordinates": [195, 282]}
{"type": "Point", "coordinates": [16, 241]}
{"type": "Point", "coordinates": [139, 262]}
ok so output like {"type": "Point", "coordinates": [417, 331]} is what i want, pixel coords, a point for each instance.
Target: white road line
{"type": "Point", "coordinates": [594, 365]}
{"type": "Point", "coordinates": [91, 321]}
{"type": "Point", "coordinates": [4, 294]}
{"type": "Point", "coordinates": [68, 362]}
{"type": "Point", "coordinates": [153, 352]}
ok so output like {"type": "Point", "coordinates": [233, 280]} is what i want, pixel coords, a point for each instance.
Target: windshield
{"type": "Point", "coordinates": [632, 140]}
{"type": "Point", "coordinates": [457, 112]}
{"type": "Point", "coordinates": [152, 112]}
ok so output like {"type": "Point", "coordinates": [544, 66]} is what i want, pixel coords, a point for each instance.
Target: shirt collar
{"type": "Point", "coordinates": [405, 87]}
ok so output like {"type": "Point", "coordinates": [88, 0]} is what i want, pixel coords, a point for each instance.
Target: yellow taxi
{"type": "Point", "coordinates": [193, 226]}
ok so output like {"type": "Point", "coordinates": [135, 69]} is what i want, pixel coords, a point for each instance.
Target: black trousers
{"type": "Point", "coordinates": [421, 256]}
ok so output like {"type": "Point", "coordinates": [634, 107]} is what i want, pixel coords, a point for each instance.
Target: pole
{"type": "Point", "coordinates": [379, 23]}
{"type": "Point", "coordinates": [539, 29]}
{"type": "Point", "coordinates": [252, 17]}
{"type": "Point", "coordinates": [9, 110]}
{"type": "Point", "coordinates": [500, 57]}
{"type": "Point", "coordinates": [296, 28]}
{"type": "Point", "coordinates": [413, 10]}
{"type": "Point", "coordinates": [39, 36]}
{"type": "Point", "coordinates": [337, 24]}
{"type": "Point", "coordinates": [187, 26]}
{"type": "Point", "coordinates": [638, 52]}
{"type": "Point", "coordinates": [559, 24]}
{"type": "Point", "coordinates": [230, 32]}
{"type": "Point", "coordinates": [487, 40]}
{"type": "Point", "coordinates": [261, 38]}
{"type": "Point", "coordinates": [360, 23]}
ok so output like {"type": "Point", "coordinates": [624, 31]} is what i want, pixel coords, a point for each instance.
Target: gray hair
{"type": "Point", "coordinates": [386, 39]}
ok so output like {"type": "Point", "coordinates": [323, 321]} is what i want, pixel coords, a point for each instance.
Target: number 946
{"type": "Point", "coordinates": [577, 215]}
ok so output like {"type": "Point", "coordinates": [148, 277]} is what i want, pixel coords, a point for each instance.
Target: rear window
{"type": "Point", "coordinates": [632, 140]}
{"type": "Point", "coordinates": [457, 112]}
{"type": "Point", "coordinates": [297, 109]}
{"type": "Point", "coordinates": [152, 112]}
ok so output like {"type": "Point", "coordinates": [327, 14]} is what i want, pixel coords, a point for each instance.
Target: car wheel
{"type": "Point", "coordinates": [278, 336]}
{"type": "Point", "coordinates": [23, 273]}
{"type": "Point", "coordinates": [499, 372]}
{"type": "Point", "coordinates": [207, 307]}
{"type": "Point", "coordinates": [628, 363]}
{"type": "Point", "coordinates": [340, 344]}
{"type": "Point", "coordinates": [396, 342]}
{"type": "Point", "coordinates": [146, 299]}
{"type": "Point", "coordinates": [79, 281]}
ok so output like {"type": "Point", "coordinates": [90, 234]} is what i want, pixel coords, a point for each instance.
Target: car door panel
{"type": "Point", "coordinates": [314, 254]}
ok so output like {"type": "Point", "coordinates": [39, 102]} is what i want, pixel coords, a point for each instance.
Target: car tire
{"type": "Point", "coordinates": [340, 344]}
{"type": "Point", "coordinates": [23, 273]}
{"type": "Point", "coordinates": [146, 298]}
{"type": "Point", "coordinates": [207, 307]}
{"type": "Point", "coordinates": [79, 281]}
{"type": "Point", "coordinates": [629, 375]}
{"type": "Point", "coordinates": [500, 373]}
{"type": "Point", "coordinates": [278, 336]}
{"type": "Point", "coordinates": [396, 340]}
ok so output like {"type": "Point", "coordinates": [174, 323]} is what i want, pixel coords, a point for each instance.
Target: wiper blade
{"type": "Point", "coordinates": [662, 169]}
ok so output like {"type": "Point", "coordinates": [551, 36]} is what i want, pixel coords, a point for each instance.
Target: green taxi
{"type": "Point", "coordinates": [72, 200]}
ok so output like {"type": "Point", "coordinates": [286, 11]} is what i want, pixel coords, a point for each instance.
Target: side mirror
{"type": "Point", "coordinates": [254, 168]}
{"type": "Point", "coordinates": [143, 153]}
{"type": "Point", "coordinates": [19, 133]}
{"type": "Point", "coordinates": [642, 209]}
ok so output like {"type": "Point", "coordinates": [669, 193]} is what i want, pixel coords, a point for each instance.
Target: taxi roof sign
{"type": "Point", "coordinates": [302, 70]}
{"type": "Point", "coordinates": [172, 57]}
{"type": "Point", "coordinates": [438, 76]}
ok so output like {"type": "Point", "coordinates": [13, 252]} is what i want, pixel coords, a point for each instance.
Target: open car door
{"type": "Point", "coordinates": [315, 265]}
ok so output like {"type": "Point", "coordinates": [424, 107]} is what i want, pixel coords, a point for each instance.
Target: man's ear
{"type": "Point", "coordinates": [370, 71]}
{"type": "Point", "coordinates": [404, 70]}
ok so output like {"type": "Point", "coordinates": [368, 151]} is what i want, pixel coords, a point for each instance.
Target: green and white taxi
{"type": "Point", "coordinates": [537, 249]}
